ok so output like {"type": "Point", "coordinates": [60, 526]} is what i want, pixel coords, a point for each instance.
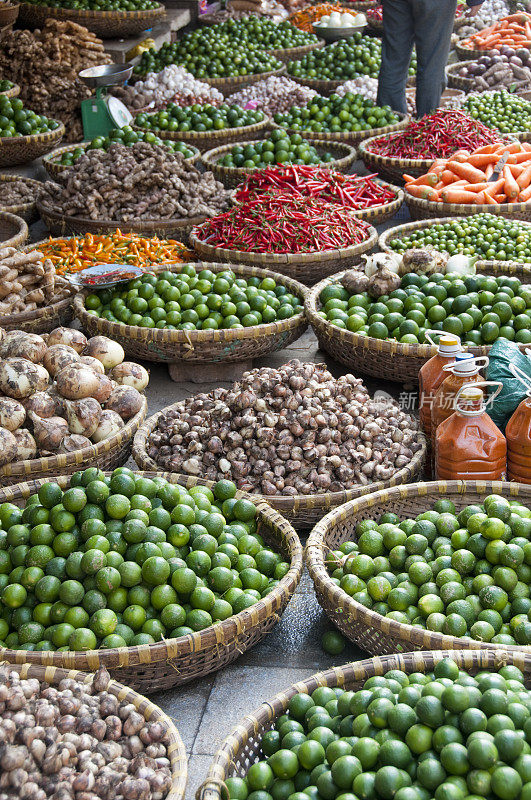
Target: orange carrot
{"type": "Point", "coordinates": [483, 160]}
{"type": "Point", "coordinates": [424, 192]}
{"type": "Point", "coordinates": [524, 179]}
{"type": "Point", "coordinates": [457, 196]}
{"type": "Point", "coordinates": [429, 179]}
{"type": "Point", "coordinates": [511, 187]}
{"type": "Point", "coordinates": [488, 200]}
{"type": "Point", "coordinates": [438, 165]}
{"type": "Point", "coordinates": [472, 174]}
{"type": "Point", "coordinates": [495, 187]}
{"type": "Point", "coordinates": [489, 170]}
{"type": "Point", "coordinates": [525, 196]}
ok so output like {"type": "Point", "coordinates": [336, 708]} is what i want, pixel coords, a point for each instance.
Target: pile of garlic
{"type": "Point", "coordinates": [160, 88]}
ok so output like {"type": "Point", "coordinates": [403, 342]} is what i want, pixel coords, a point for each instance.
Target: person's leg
{"type": "Point", "coordinates": [433, 23]}
{"type": "Point", "coordinates": [397, 46]}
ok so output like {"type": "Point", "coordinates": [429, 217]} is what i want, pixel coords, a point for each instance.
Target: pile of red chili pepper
{"type": "Point", "coordinates": [436, 135]}
{"type": "Point", "coordinates": [284, 223]}
{"type": "Point", "coordinates": [353, 191]}
{"type": "Point", "coordinates": [375, 14]}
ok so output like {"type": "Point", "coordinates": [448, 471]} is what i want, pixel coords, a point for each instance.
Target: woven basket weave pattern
{"type": "Point", "coordinates": [106, 24]}
{"type": "Point", "coordinates": [13, 230]}
{"type": "Point", "coordinates": [352, 137]}
{"type": "Point", "coordinates": [205, 140]}
{"type": "Point", "coordinates": [377, 634]}
{"type": "Point", "coordinates": [15, 150]}
{"type": "Point", "coordinates": [172, 662]}
{"type": "Point", "coordinates": [13, 92]}
{"type": "Point", "coordinates": [390, 167]}
{"type": "Point", "coordinates": [288, 54]}
{"type": "Point", "coordinates": [426, 209]}
{"type": "Point", "coordinates": [26, 211]}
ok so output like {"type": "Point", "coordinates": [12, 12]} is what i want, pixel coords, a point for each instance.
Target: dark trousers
{"type": "Point", "coordinates": [428, 25]}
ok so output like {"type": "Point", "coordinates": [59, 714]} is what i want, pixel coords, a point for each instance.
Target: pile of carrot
{"type": "Point", "coordinates": [464, 177]}
{"type": "Point", "coordinates": [513, 31]}
{"type": "Point", "coordinates": [304, 19]}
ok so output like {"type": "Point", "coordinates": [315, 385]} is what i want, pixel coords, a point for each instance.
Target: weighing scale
{"type": "Point", "coordinates": [102, 276]}
{"type": "Point", "coordinates": [102, 113]}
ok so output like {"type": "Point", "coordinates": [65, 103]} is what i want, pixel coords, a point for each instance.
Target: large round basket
{"type": "Point", "coordinates": [42, 320]}
{"type": "Point", "coordinates": [202, 347]}
{"type": "Point", "coordinates": [61, 225]}
{"type": "Point", "coordinates": [344, 156]}
{"type": "Point", "coordinates": [8, 13]}
{"type": "Point", "coordinates": [455, 81]}
{"type": "Point", "coordinates": [320, 85]}
{"type": "Point", "coordinates": [233, 83]}
{"type": "Point", "coordinates": [106, 24]}
{"type": "Point", "coordinates": [205, 140]}
{"type": "Point", "coordinates": [354, 137]}
{"type": "Point", "coordinates": [302, 511]}
{"type": "Point", "coordinates": [390, 167]}
{"type": "Point", "coordinates": [14, 91]}
{"type": "Point", "coordinates": [304, 267]}
{"type": "Point", "coordinates": [360, 6]}
{"type": "Point", "coordinates": [295, 53]}
{"type": "Point", "coordinates": [15, 150]}
{"type": "Point", "coordinates": [371, 631]}
{"type": "Point", "coordinates": [243, 746]}
{"type": "Point", "coordinates": [147, 709]}
{"type": "Point", "coordinates": [52, 164]}
{"type": "Point", "coordinates": [468, 53]}
{"type": "Point", "coordinates": [13, 230]}
{"type": "Point", "coordinates": [426, 209]}
{"type": "Point", "coordinates": [382, 358]}
{"type": "Point", "coordinates": [26, 211]}
{"type": "Point", "coordinates": [108, 454]}
{"type": "Point", "coordinates": [172, 662]}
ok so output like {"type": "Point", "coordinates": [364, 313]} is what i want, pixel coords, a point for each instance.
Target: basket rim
{"type": "Point", "coordinates": [21, 230]}
{"type": "Point", "coordinates": [24, 207]}
{"type": "Point", "coordinates": [391, 160]}
{"type": "Point", "coordinates": [358, 136]}
{"type": "Point", "coordinates": [292, 258]}
{"type": "Point", "coordinates": [315, 550]}
{"type": "Point", "coordinates": [287, 51]}
{"type": "Point", "coordinates": [449, 209]}
{"type": "Point", "coordinates": [30, 316]}
{"type": "Point", "coordinates": [34, 138]}
{"type": "Point", "coordinates": [46, 211]}
{"type": "Point", "coordinates": [235, 625]}
{"type": "Point", "coordinates": [137, 333]}
{"type": "Point", "coordinates": [148, 709]}
{"type": "Point", "coordinates": [61, 460]}
{"type": "Point", "coordinates": [344, 676]}
{"type": "Point", "coordinates": [213, 134]}
{"type": "Point", "coordinates": [296, 503]}
{"type": "Point", "coordinates": [211, 157]}
{"type": "Point", "coordinates": [92, 14]}
{"type": "Point", "coordinates": [228, 80]}
{"type": "Point", "coordinates": [14, 91]}
{"type": "Point", "coordinates": [48, 157]}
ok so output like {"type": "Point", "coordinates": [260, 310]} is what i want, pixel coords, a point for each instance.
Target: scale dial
{"type": "Point", "coordinates": [118, 112]}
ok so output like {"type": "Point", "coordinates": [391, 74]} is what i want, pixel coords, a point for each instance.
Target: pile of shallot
{"type": "Point", "coordinates": [61, 392]}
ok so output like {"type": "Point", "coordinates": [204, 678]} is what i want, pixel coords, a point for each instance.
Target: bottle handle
{"type": "Point", "coordinates": [490, 399]}
{"type": "Point", "coordinates": [428, 334]}
{"type": "Point", "coordinates": [522, 376]}
{"type": "Point", "coordinates": [475, 360]}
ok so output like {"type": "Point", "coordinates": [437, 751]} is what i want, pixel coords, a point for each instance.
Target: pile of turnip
{"type": "Point", "coordinates": [61, 392]}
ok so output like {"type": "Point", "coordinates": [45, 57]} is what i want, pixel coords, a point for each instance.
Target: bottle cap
{"type": "Point", "coordinates": [449, 345]}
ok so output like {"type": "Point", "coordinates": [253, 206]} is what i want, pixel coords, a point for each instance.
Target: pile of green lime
{"type": "Point", "coordinates": [461, 574]}
{"type": "Point", "coordinates": [278, 148]}
{"type": "Point", "coordinates": [477, 308]}
{"type": "Point", "coordinates": [15, 120]}
{"type": "Point", "coordinates": [336, 114]}
{"type": "Point", "coordinates": [5, 85]}
{"type": "Point", "coordinates": [127, 560]}
{"type": "Point", "coordinates": [190, 300]}
{"type": "Point", "coordinates": [199, 118]}
{"type": "Point", "coordinates": [99, 5]}
{"type": "Point", "coordinates": [446, 735]}
{"type": "Point", "coordinates": [504, 111]}
{"type": "Point", "coordinates": [128, 137]}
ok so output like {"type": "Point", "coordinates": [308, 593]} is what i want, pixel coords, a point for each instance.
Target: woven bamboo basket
{"type": "Point", "coordinates": [304, 267]}
{"type": "Point", "coordinates": [344, 157]}
{"type": "Point", "coordinates": [302, 511]}
{"type": "Point", "coordinates": [150, 712]}
{"type": "Point", "coordinates": [354, 137]}
{"type": "Point", "coordinates": [287, 54]}
{"type": "Point", "coordinates": [202, 347]}
{"type": "Point", "coordinates": [204, 140]}
{"type": "Point", "coordinates": [468, 53]}
{"type": "Point", "coordinates": [455, 81]}
{"type": "Point", "coordinates": [426, 209]}
{"type": "Point", "coordinates": [54, 168]}
{"type": "Point", "coordinates": [26, 211]}
{"type": "Point", "coordinates": [8, 13]}
{"type": "Point", "coordinates": [376, 25]}
{"type": "Point", "coordinates": [13, 230]}
{"type": "Point", "coordinates": [106, 24]}
{"type": "Point", "coordinates": [320, 85]}
{"type": "Point", "coordinates": [382, 358]}
{"type": "Point", "coordinates": [15, 150]}
{"type": "Point", "coordinates": [360, 6]}
{"type": "Point", "coordinates": [233, 83]}
{"type": "Point", "coordinates": [373, 632]}
{"type": "Point", "coordinates": [13, 92]}
{"type": "Point", "coordinates": [390, 167]}
{"type": "Point", "coordinates": [42, 320]}
{"type": "Point", "coordinates": [108, 454]}
{"type": "Point", "coordinates": [242, 747]}
{"type": "Point", "coordinates": [173, 662]}
{"type": "Point", "coordinates": [61, 225]}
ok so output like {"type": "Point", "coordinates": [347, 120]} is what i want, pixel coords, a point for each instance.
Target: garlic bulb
{"type": "Point", "coordinates": [109, 352]}
{"type": "Point", "coordinates": [68, 336]}
{"type": "Point", "coordinates": [42, 404]}
{"type": "Point", "coordinates": [21, 378]}
{"type": "Point", "coordinates": [126, 401]}
{"type": "Point", "coordinates": [463, 265]}
{"type": "Point", "coordinates": [377, 261]}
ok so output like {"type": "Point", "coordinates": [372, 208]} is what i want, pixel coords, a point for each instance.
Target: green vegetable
{"type": "Point", "coordinates": [190, 300]}
{"type": "Point", "coordinates": [15, 120]}
{"type": "Point", "coordinates": [477, 308]}
{"type": "Point", "coordinates": [460, 574]}
{"type": "Point", "coordinates": [127, 136]}
{"type": "Point", "coordinates": [353, 112]}
{"type": "Point", "coordinates": [198, 118]}
{"type": "Point", "coordinates": [5, 85]}
{"type": "Point", "coordinates": [278, 148]}
{"type": "Point", "coordinates": [504, 111]}
{"type": "Point", "coordinates": [99, 5]}
{"type": "Point", "coordinates": [125, 556]}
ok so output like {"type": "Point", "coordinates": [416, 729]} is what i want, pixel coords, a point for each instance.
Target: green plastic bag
{"type": "Point", "coordinates": [501, 355]}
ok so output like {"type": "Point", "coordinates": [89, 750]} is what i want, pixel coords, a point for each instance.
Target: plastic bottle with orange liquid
{"type": "Point", "coordinates": [431, 374]}
{"type": "Point", "coordinates": [468, 445]}
{"type": "Point", "coordinates": [518, 435]}
{"type": "Point", "coordinates": [465, 369]}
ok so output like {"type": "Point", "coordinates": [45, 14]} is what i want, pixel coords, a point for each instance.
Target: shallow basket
{"type": "Point", "coordinates": [233, 83]}
{"type": "Point", "coordinates": [426, 209]}
{"type": "Point", "coordinates": [106, 24]}
{"type": "Point", "coordinates": [108, 454]}
{"type": "Point", "coordinates": [13, 92]}
{"type": "Point", "coordinates": [26, 211]}
{"type": "Point", "coordinates": [454, 80]}
{"type": "Point", "coordinates": [371, 631]}
{"type": "Point", "coordinates": [15, 150]}
{"type": "Point", "coordinates": [320, 85]}
{"type": "Point", "coordinates": [41, 320]}
{"type": "Point", "coordinates": [242, 747]}
{"type": "Point", "coordinates": [302, 511]}
{"type": "Point", "coordinates": [55, 169]}
{"type": "Point", "coordinates": [382, 358]}
{"type": "Point", "coordinates": [202, 347]}
{"type": "Point", "coordinates": [204, 140]}
{"type": "Point", "coordinates": [304, 267]}
{"type": "Point", "coordinates": [152, 667]}
{"type": "Point", "coordinates": [13, 230]}
{"type": "Point", "coordinates": [61, 225]}
{"type": "Point", "coordinates": [287, 54]}
{"type": "Point", "coordinates": [8, 13]}
{"type": "Point", "coordinates": [390, 167]}
{"type": "Point", "coordinates": [344, 157]}
{"type": "Point", "coordinates": [353, 137]}
{"type": "Point", "coordinates": [148, 710]}
{"type": "Point", "coordinates": [468, 53]}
